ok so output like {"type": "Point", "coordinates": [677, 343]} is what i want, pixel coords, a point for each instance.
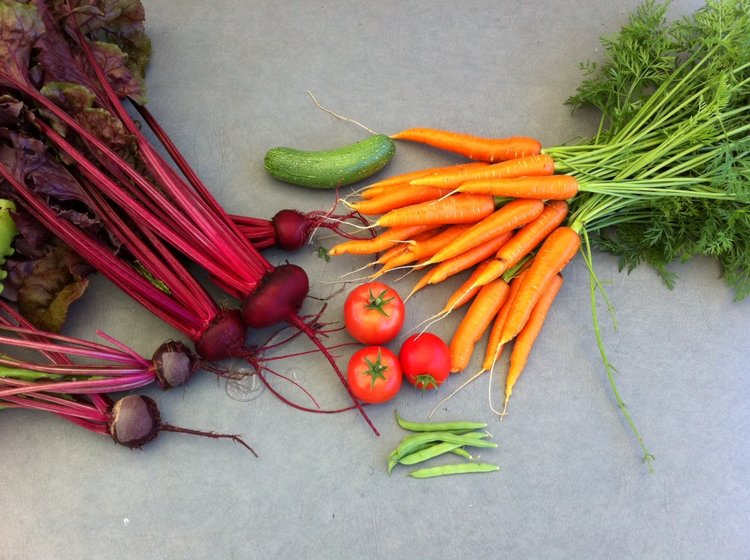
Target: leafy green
{"type": "Point", "coordinates": [8, 232]}
{"type": "Point", "coordinates": [52, 285]}
{"type": "Point", "coordinates": [667, 176]}
{"type": "Point", "coordinates": [20, 27]}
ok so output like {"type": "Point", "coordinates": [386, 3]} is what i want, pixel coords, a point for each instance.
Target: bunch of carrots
{"type": "Point", "coordinates": [665, 177]}
{"type": "Point", "coordinates": [501, 216]}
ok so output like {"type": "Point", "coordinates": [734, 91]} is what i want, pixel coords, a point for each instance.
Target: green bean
{"type": "Point", "coordinates": [461, 452]}
{"type": "Point", "coordinates": [429, 453]}
{"type": "Point", "coordinates": [416, 442]}
{"type": "Point", "coordinates": [438, 426]}
{"type": "Point", "coordinates": [460, 468]}
{"type": "Point", "coordinates": [417, 438]}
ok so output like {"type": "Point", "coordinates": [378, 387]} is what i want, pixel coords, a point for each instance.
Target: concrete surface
{"type": "Point", "coordinates": [228, 81]}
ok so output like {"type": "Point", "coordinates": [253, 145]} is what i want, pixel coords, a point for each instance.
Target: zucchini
{"type": "Point", "coordinates": [330, 168]}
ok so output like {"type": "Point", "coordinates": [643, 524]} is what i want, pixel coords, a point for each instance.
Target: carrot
{"type": "Point", "coordinates": [494, 348]}
{"type": "Point", "coordinates": [460, 297]}
{"type": "Point", "coordinates": [465, 292]}
{"type": "Point", "coordinates": [459, 263]}
{"type": "Point", "coordinates": [425, 248]}
{"type": "Point", "coordinates": [510, 216]}
{"type": "Point", "coordinates": [557, 250]}
{"type": "Point", "coordinates": [528, 166]}
{"type": "Point", "coordinates": [472, 327]}
{"type": "Point", "coordinates": [456, 209]}
{"type": "Point", "coordinates": [397, 198]}
{"type": "Point", "coordinates": [548, 187]}
{"type": "Point", "coordinates": [380, 242]}
{"type": "Point", "coordinates": [528, 334]}
{"type": "Point", "coordinates": [470, 146]}
{"type": "Point", "coordinates": [400, 248]}
{"type": "Point", "coordinates": [383, 186]}
{"type": "Point", "coordinates": [525, 241]}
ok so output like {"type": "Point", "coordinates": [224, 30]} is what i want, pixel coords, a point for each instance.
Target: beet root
{"type": "Point", "coordinates": [135, 421]}
{"type": "Point", "coordinates": [224, 337]}
{"type": "Point", "coordinates": [174, 364]}
{"type": "Point", "coordinates": [292, 229]}
{"type": "Point", "coordinates": [277, 298]}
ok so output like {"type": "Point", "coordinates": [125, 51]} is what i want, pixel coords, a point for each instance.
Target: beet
{"type": "Point", "coordinates": [277, 298]}
{"type": "Point", "coordinates": [224, 337]}
{"type": "Point", "coordinates": [174, 364]}
{"type": "Point", "coordinates": [135, 421]}
{"type": "Point", "coordinates": [292, 229]}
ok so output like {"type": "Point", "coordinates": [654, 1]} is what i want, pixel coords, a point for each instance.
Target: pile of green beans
{"type": "Point", "coordinates": [432, 439]}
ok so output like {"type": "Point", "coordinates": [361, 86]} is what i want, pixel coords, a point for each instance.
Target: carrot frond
{"type": "Point", "coordinates": [594, 287]}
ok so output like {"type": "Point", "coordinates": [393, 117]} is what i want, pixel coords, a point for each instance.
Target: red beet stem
{"type": "Point", "coordinates": [305, 328]}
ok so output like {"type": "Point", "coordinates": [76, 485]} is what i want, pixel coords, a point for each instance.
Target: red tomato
{"type": "Point", "coordinates": [373, 313]}
{"type": "Point", "coordinates": [374, 374]}
{"type": "Point", "coordinates": [425, 360]}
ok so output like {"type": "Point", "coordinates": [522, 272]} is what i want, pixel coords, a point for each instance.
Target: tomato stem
{"type": "Point", "coordinates": [378, 303]}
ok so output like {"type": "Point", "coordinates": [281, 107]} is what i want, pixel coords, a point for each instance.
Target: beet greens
{"type": "Point", "coordinates": [119, 203]}
{"type": "Point", "coordinates": [55, 383]}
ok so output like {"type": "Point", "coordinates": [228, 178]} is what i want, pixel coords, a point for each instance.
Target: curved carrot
{"type": "Point", "coordinates": [494, 348]}
{"type": "Point", "coordinates": [399, 248]}
{"type": "Point", "coordinates": [472, 147]}
{"type": "Point", "coordinates": [381, 186]}
{"type": "Point", "coordinates": [406, 195]}
{"type": "Point", "coordinates": [397, 181]}
{"type": "Point", "coordinates": [478, 317]}
{"type": "Point", "coordinates": [525, 241]}
{"type": "Point", "coordinates": [528, 166]}
{"type": "Point", "coordinates": [465, 292]}
{"type": "Point", "coordinates": [557, 250]}
{"type": "Point", "coordinates": [548, 187]}
{"type": "Point", "coordinates": [510, 216]}
{"type": "Point", "coordinates": [380, 242]}
{"type": "Point", "coordinates": [422, 249]}
{"type": "Point", "coordinates": [456, 209]}
{"type": "Point", "coordinates": [528, 334]}
{"type": "Point", "coordinates": [459, 263]}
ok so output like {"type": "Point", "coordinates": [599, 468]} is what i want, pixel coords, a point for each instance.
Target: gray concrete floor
{"type": "Point", "coordinates": [228, 81]}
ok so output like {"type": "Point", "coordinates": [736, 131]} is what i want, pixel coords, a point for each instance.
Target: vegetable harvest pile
{"type": "Point", "coordinates": [666, 177]}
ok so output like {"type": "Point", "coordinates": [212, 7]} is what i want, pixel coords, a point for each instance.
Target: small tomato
{"type": "Point", "coordinates": [373, 313]}
{"type": "Point", "coordinates": [425, 360]}
{"type": "Point", "coordinates": [374, 374]}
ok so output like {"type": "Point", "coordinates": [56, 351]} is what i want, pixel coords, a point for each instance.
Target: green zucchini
{"type": "Point", "coordinates": [329, 169]}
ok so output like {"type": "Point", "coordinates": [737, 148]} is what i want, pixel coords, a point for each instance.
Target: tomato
{"type": "Point", "coordinates": [425, 360]}
{"type": "Point", "coordinates": [374, 374]}
{"type": "Point", "coordinates": [373, 313]}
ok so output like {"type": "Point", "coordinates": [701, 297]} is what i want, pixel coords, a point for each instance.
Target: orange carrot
{"type": "Point", "coordinates": [510, 216]}
{"type": "Point", "coordinates": [383, 186]}
{"type": "Point", "coordinates": [548, 187]}
{"type": "Point", "coordinates": [380, 242]}
{"type": "Point", "coordinates": [403, 178]}
{"type": "Point", "coordinates": [478, 317]}
{"type": "Point", "coordinates": [459, 263]}
{"type": "Point", "coordinates": [525, 241]}
{"type": "Point", "coordinates": [529, 166]}
{"type": "Point", "coordinates": [465, 292]}
{"type": "Point", "coordinates": [528, 334]}
{"type": "Point", "coordinates": [472, 147]}
{"type": "Point", "coordinates": [400, 248]}
{"type": "Point", "coordinates": [425, 248]}
{"type": "Point", "coordinates": [494, 348]}
{"type": "Point", "coordinates": [397, 198]}
{"type": "Point", "coordinates": [460, 297]}
{"type": "Point", "coordinates": [456, 209]}
{"type": "Point", "coordinates": [557, 250]}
